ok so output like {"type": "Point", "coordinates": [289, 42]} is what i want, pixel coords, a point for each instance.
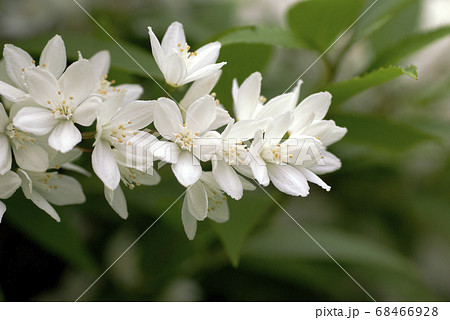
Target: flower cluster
{"type": "Point", "coordinates": [48, 105]}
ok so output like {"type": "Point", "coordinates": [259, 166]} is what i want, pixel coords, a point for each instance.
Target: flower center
{"type": "Point", "coordinates": [18, 138]}
{"type": "Point", "coordinates": [276, 154]}
{"type": "Point", "coordinates": [185, 139]}
{"type": "Point", "coordinates": [184, 49]}
{"type": "Point", "coordinates": [234, 153]}
{"type": "Point", "coordinates": [104, 86]}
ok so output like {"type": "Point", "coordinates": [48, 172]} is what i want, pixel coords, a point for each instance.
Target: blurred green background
{"type": "Point", "coordinates": [386, 219]}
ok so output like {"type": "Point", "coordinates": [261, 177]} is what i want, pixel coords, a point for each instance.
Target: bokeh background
{"type": "Point", "coordinates": [386, 219]}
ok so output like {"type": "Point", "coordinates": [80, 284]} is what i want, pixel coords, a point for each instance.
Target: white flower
{"type": "Point", "coordinates": [100, 63]}
{"type": "Point", "coordinates": [115, 126]}
{"type": "Point", "coordinates": [308, 120]}
{"type": "Point", "coordinates": [191, 137]}
{"type": "Point", "coordinates": [280, 162]}
{"type": "Point", "coordinates": [204, 199]}
{"type": "Point", "coordinates": [131, 178]}
{"type": "Point", "coordinates": [28, 152]}
{"type": "Point", "coordinates": [62, 104]}
{"type": "Point", "coordinates": [250, 105]}
{"type": "Point", "coordinates": [177, 64]}
{"type": "Point", "coordinates": [9, 183]}
{"type": "Point", "coordinates": [46, 188]}
{"type": "Point", "coordinates": [17, 62]}
{"type": "Point", "coordinates": [201, 88]}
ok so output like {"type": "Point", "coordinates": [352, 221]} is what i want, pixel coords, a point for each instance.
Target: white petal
{"type": "Point", "coordinates": [100, 63]}
{"type": "Point", "coordinates": [38, 121]}
{"type": "Point", "coordinates": [43, 87]}
{"type": "Point", "coordinates": [9, 183]}
{"type": "Point", "coordinates": [197, 200]}
{"type": "Point", "coordinates": [199, 89]}
{"type": "Point", "coordinates": [105, 166]}
{"type": "Point", "coordinates": [87, 112]}
{"type": "Point", "coordinates": [245, 129]}
{"type": "Point", "coordinates": [43, 204]}
{"type": "Point", "coordinates": [4, 119]}
{"type": "Point", "coordinates": [11, 93]}
{"type": "Point", "coordinates": [173, 37]}
{"type": "Point", "coordinates": [206, 55]}
{"type": "Point", "coordinates": [26, 183]}
{"type": "Point", "coordinates": [53, 57]}
{"type": "Point", "coordinates": [201, 114]}
{"type": "Point", "coordinates": [222, 118]}
{"type": "Point", "coordinates": [149, 179]}
{"type": "Point", "coordinates": [65, 191]}
{"type": "Point", "coordinates": [168, 120]}
{"type": "Point", "coordinates": [331, 163]}
{"type": "Point", "coordinates": [278, 127]}
{"type": "Point", "coordinates": [320, 128]}
{"type": "Point", "coordinates": [187, 169]}
{"type": "Point", "coordinates": [5, 155]}
{"type": "Point", "coordinates": [64, 137]}
{"type": "Point", "coordinates": [276, 106]}
{"type": "Point", "coordinates": [117, 201]}
{"type": "Point", "coordinates": [31, 157]}
{"type": "Point", "coordinates": [157, 51]}
{"type": "Point", "coordinates": [317, 104]}
{"type": "Point", "coordinates": [75, 168]}
{"type": "Point", "coordinates": [17, 59]}
{"type": "Point", "coordinates": [247, 185]}
{"type": "Point", "coordinates": [289, 180]}
{"type": "Point", "coordinates": [174, 69]}
{"type": "Point", "coordinates": [136, 115]}
{"type": "Point", "coordinates": [78, 81]}
{"type": "Point", "coordinates": [132, 92]}
{"type": "Point", "coordinates": [2, 210]}
{"type": "Point", "coordinates": [335, 135]}
{"type": "Point", "coordinates": [189, 222]}
{"type": "Point", "coordinates": [227, 179]}
{"type": "Point", "coordinates": [204, 72]}
{"type": "Point", "coordinates": [248, 97]}
{"type": "Point", "coordinates": [109, 108]}
{"type": "Point", "coordinates": [221, 213]}
{"type": "Point", "coordinates": [310, 176]}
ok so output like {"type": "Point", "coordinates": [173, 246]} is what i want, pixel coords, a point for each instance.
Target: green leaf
{"type": "Point", "coordinates": [261, 35]}
{"type": "Point", "coordinates": [58, 238]}
{"type": "Point", "coordinates": [319, 22]}
{"type": "Point", "coordinates": [402, 24]}
{"type": "Point", "coordinates": [343, 91]}
{"type": "Point", "coordinates": [379, 15]}
{"type": "Point", "coordinates": [244, 215]}
{"type": "Point", "coordinates": [381, 133]}
{"type": "Point", "coordinates": [408, 46]}
{"type": "Point", "coordinates": [287, 253]}
{"type": "Point", "coordinates": [89, 45]}
{"type": "Point", "coordinates": [242, 60]}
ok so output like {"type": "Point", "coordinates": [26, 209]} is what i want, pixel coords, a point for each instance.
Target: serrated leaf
{"type": "Point", "coordinates": [343, 91]}
{"type": "Point", "coordinates": [261, 35]}
{"type": "Point", "coordinates": [319, 22]}
{"type": "Point", "coordinates": [58, 238]}
{"type": "Point", "coordinates": [381, 133]}
{"type": "Point", "coordinates": [408, 46]}
{"type": "Point", "coordinates": [244, 215]}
